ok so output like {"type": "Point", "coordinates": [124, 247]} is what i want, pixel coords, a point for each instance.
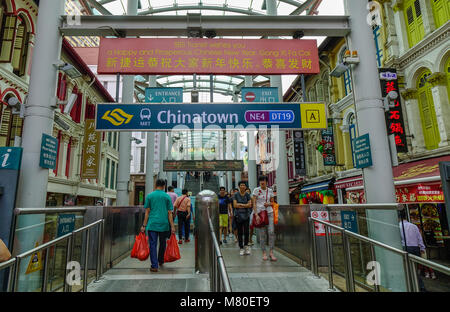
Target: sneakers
{"type": "Point", "coordinates": [224, 241]}
{"type": "Point", "coordinates": [433, 276]}
{"type": "Point", "coordinates": [427, 275]}
{"type": "Point", "coordinates": [187, 240]}
{"type": "Point", "coordinates": [180, 242]}
{"type": "Point", "coordinates": [247, 250]}
{"type": "Point", "coordinates": [153, 270]}
{"type": "Point", "coordinates": [241, 252]}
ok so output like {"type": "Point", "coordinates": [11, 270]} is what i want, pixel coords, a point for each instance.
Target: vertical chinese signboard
{"type": "Point", "coordinates": [299, 153]}
{"type": "Point", "coordinates": [394, 117]}
{"type": "Point", "coordinates": [326, 146]}
{"type": "Point", "coordinates": [91, 151]}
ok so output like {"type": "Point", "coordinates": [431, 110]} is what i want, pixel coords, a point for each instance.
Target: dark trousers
{"type": "Point", "coordinates": [243, 232]}
{"type": "Point", "coordinates": [157, 258]}
{"type": "Point", "coordinates": [183, 223]}
{"type": "Point", "coordinates": [415, 250]}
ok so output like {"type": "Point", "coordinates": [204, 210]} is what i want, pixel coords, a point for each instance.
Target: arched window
{"type": "Point", "coordinates": [8, 23]}
{"type": "Point", "coordinates": [312, 97]}
{"type": "Point", "coordinates": [21, 45]}
{"type": "Point", "coordinates": [320, 91]}
{"type": "Point", "coordinates": [326, 87]}
{"type": "Point", "coordinates": [427, 112]}
{"type": "Point", "coordinates": [447, 68]}
{"type": "Point", "coordinates": [414, 22]}
{"type": "Point", "coordinates": [347, 75]}
{"type": "Point", "coordinates": [10, 125]}
{"type": "Point", "coordinates": [441, 12]}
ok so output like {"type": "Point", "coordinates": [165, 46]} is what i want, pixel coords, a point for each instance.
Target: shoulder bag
{"type": "Point", "coordinates": [263, 216]}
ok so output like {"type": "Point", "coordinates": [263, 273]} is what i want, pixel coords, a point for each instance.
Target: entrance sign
{"type": "Point", "coordinates": [164, 95]}
{"type": "Point", "coordinates": [226, 116]}
{"type": "Point", "coordinates": [174, 56]}
{"type": "Point", "coordinates": [203, 165]}
{"type": "Point", "coordinates": [49, 150]}
{"type": "Point", "coordinates": [66, 224]}
{"type": "Point", "coordinates": [361, 149]}
{"type": "Point", "coordinates": [262, 95]}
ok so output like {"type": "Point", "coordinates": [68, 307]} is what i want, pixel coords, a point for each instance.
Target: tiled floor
{"type": "Point", "coordinates": [246, 274]}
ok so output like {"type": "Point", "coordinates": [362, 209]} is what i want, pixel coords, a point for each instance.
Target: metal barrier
{"type": "Point", "coordinates": [14, 264]}
{"type": "Point", "coordinates": [219, 280]}
{"type": "Point", "coordinates": [409, 260]}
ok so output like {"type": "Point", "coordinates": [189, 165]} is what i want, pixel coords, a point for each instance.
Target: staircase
{"type": "Point", "coordinates": [193, 185]}
{"type": "Point", "coordinates": [212, 184]}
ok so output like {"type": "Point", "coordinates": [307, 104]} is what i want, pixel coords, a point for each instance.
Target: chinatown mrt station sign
{"type": "Point", "coordinates": [171, 56]}
{"type": "Point", "coordinates": [394, 117]}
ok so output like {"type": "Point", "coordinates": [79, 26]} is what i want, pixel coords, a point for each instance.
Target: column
{"type": "Point", "coordinates": [252, 174]}
{"type": "Point", "coordinates": [282, 179]}
{"type": "Point", "coordinates": [162, 154]}
{"type": "Point", "coordinates": [65, 146]}
{"type": "Point", "coordinates": [378, 179]}
{"type": "Point", "coordinates": [150, 150]}
{"type": "Point", "coordinates": [414, 120]}
{"type": "Point", "coordinates": [76, 161]}
{"type": "Point", "coordinates": [392, 40]}
{"type": "Point", "coordinates": [400, 26]}
{"type": "Point", "coordinates": [236, 145]}
{"type": "Point", "coordinates": [427, 16]}
{"type": "Point", "coordinates": [39, 114]}
{"type": "Point", "coordinates": [348, 157]}
{"type": "Point", "coordinates": [229, 136]}
{"type": "Point", "coordinates": [440, 98]}
{"type": "Point", "coordinates": [123, 174]}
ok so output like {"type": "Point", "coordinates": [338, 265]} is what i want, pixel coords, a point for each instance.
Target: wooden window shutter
{"type": "Point", "coordinates": [24, 55]}
{"type": "Point", "coordinates": [2, 12]}
{"type": "Point", "coordinates": [9, 31]}
{"type": "Point", "coordinates": [4, 126]}
{"type": "Point", "coordinates": [18, 46]}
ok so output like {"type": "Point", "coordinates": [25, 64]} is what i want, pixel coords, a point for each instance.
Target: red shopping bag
{"type": "Point", "coordinates": [172, 251]}
{"type": "Point", "coordinates": [141, 249]}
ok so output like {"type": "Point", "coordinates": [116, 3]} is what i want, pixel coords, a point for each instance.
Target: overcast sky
{"type": "Point", "coordinates": [328, 7]}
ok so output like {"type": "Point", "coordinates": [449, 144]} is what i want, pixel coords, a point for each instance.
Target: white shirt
{"type": "Point", "coordinates": [263, 196]}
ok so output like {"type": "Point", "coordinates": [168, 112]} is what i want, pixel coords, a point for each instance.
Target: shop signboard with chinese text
{"type": "Point", "coordinates": [193, 116]}
{"type": "Point", "coordinates": [178, 56]}
{"type": "Point", "coordinates": [326, 146]}
{"type": "Point", "coordinates": [49, 151]}
{"type": "Point", "coordinates": [91, 151]}
{"type": "Point", "coordinates": [362, 152]}
{"type": "Point", "coordinates": [394, 117]}
{"type": "Point", "coordinates": [299, 153]}
{"type": "Point", "coordinates": [203, 165]}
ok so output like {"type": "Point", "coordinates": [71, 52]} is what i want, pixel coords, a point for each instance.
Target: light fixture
{"type": "Point", "coordinates": [339, 70]}
{"type": "Point", "coordinates": [17, 108]}
{"type": "Point", "coordinates": [61, 123]}
{"type": "Point", "coordinates": [69, 69]}
{"type": "Point", "coordinates": [137, 141]}
{"type": "Point", "coordinates": [390, 100]}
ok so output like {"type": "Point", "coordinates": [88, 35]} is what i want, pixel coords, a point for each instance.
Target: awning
{"type": "Point", "coordinates": [292, 189]}
{"type": "Point", "coordinates": [316, 187]}
{"type": "Point", "coordinates": [415, 172]}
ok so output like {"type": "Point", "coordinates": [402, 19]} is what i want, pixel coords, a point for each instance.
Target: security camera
{"type": "Point", "coordinates": [389, 100]}
{"type": "Point", "coordinates": [72, 99]}
{"type": "Point", "coordinates": [61, 123]}
{"type": "Point", "coordinates": [14, 102]}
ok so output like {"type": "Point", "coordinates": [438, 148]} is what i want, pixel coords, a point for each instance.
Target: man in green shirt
{"type": "Point", "coordinates": [158, 217]}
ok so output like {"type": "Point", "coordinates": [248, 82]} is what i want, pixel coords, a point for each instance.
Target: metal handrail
{"type": "Point", "coordinates": [366, 206]}
{"type": "Point", "coordinates": [220, 280]}
{"type": "Point", "coordinates": [27, 211]}
{"type": "Point", "coordinates": [13, 285]}
{"type": "Point", "coordinates": [8, 264]}
{"type": "Point", "coordinates": [409, 260]}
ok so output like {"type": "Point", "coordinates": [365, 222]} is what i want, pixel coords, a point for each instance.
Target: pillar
{"type": "Point", "coordinates": [414, 120]}
{"type": "Point", "coordinates": [400, 26]}
{"type": "Point", "coordinates": [378, 179]}
{"type": "Point", "coordinates": [440, 98]}
{"type": "Point", "coordinates": [123, 171]}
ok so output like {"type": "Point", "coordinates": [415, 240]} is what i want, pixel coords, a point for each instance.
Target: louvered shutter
{"type": "Point", "coordinates": [8, 31]}
{"type": "Point", "coordinates": [18, 46]}
{"type": "Point", "coordinates": [24, 55]}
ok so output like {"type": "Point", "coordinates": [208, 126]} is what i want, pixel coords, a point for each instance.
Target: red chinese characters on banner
{"type": "Point", "coordinates": [419, 194]}
{"type": "Point", "coordinates": [207, 56]}
{"type": "Point", "coordinates": [394, 117]}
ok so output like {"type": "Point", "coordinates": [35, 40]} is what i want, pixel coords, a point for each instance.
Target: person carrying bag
{"type": "Point", "coordinates": [5, 255]}
{"type": "Point", "coordinates": [183, 212]}
{"type": "Point", "coordinates": [263, 217]}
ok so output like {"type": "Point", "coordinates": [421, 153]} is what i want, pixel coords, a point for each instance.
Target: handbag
{"type": "Point", "coordinates": [5, 255]}
{"type": "Point", "coordinates": [263, 217]}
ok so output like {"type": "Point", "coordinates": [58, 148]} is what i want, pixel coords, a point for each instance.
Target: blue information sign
{"type": "Point", "coordinates": [66, 224]}
{"type": "Point", "coordinates": [362, 152]}
{"type": "Point", "coordinates": [164, 95]}
{"type": "Point", "coordinates": [10, 157]}
{"type": "Point", "coordinates": [157, 117]}
{"type": "Point", "coordinates": [261, 95]}
{"type": "Point", "coordinates": [49, 151]}
{"type": "Point", "coordinates": [349, 221]}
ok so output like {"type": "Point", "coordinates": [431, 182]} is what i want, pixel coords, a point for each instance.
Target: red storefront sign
{"type": "Point", "coordinates": [419, 194]}
{"type": "Point", "coordinates": [394, 117]}
{"type": "Point", "coordinates": [207, 56]}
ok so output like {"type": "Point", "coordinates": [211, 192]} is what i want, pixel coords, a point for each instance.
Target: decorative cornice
{"type": "Point", "coordinates": [436, 39]}
{"type": "Point", "coordinates": [437, 79]}
{"type": "Point", "coordinates": [409, 94]}
{"type": "Point", "coordinates": [342, 104]}
{"type": "Point", "coordinates": [397, 5]}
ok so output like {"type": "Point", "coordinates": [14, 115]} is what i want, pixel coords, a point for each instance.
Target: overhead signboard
{"type": "Point", "coordinates": [262, 95]}
{"type": "Point", "coordinates": [203, 165]}
{"type": "Point", "coordinates": [178, 56]}
{"type": "Point", "coordinates": [163, 95]}
{"type": "Point", "coordinates": [226, 116]}
{"type": "Point", "coordinates": [363, 154]}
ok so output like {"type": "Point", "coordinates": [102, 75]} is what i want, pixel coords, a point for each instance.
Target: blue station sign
{"type": "Point", "coordinates": [260, 95]}
{"type": "Point", "coordinates": [226, 116]}
{"type": "Point", "coordinates": [49, 152]}
{"type": "Point", "coordinates": [164, 95]}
